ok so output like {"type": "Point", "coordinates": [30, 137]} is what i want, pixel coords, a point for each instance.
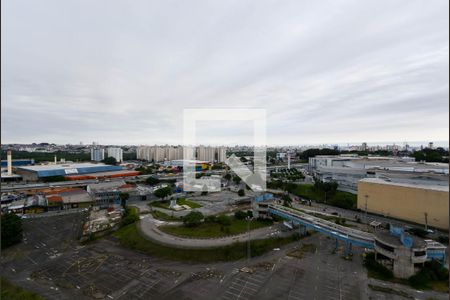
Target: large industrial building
{"type": "Point", "coordinates": [34, 173]}
{"type": "Point", "coordinates": [425, 204]}
{"type": "Point", "coordinates": [18, 162]}
{"type": "Point", "coordinates": [347, 170]}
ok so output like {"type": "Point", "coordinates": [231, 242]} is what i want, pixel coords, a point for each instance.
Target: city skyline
{"type": "Point", "coordinates": [444, 144]}
{"type": "Point", "coordinates": [341, 78]}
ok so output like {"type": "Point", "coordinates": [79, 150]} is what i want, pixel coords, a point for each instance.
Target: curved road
{"type": "Point", "coordinates": [148, 226]}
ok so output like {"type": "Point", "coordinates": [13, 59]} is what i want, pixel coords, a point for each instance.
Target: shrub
{"type": "Point", "coordinates": [152, 180]}
{"type": "Point", "coordinates": [418, 232]}
{"type": "Point", "coordinates": [210, 219]}
{"type": "Point", "coordinates": [11, 230]}
{"type": "Point", "coordinates": [241, 192]}
{"type": "Point", "coordinates": [376, 269]}
{"type": "Point", "coordinates": [193, 219]}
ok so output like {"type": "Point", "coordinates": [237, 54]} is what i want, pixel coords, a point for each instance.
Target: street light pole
{"type": "Point", "coordinates": [248, 239]}
{"type": "Point", "coordinates": [426, 221]}
{"type": "Point", "coordinates": [366, 196]}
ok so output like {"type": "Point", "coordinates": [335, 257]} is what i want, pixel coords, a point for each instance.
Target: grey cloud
{"type": "Point", "coordinates": [116, 72]}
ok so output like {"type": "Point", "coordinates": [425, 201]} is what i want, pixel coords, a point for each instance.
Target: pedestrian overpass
{"type": "Point", "coordinates": [348, 235]}
{"type": "Point", "coordinates": [340, 233]}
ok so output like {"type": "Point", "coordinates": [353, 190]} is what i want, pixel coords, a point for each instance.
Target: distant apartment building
{"type": "Point", "coordinates": [169, 153]}
{"type": "Point", "coordinates": [97, 154]}
{"type": "Point", "coordinates": [211, 154]}
{"type": "Point", "coordinates": [159, 153]}
{"type": "Point", "coordinates": [221, 154]}
{"type": "Point", "coordinates": [117, 153]}
{"type": "Point", "coordinates": [206, 153]}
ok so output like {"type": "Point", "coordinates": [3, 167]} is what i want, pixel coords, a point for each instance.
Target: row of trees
{"type": "Point", "coordinates": [195, 218]}
{"type": "Point", "coordinates": [431, 155]}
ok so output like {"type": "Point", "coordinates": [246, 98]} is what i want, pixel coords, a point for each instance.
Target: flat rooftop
{"type": "Point", "coordinates": [106, 186]}
{"type": "Point", "coordinates": [189, 161]}
{"type": "Point", "coordinates": [60, 166]}
{"type": "Point", "coordinates": [68, 169]}
{"type": "Point", "coordinates": [110, 173]}
{"type": "Point", "coordinates": [435, 187]}
{"type": "Point", "coordinates": [387, 237]}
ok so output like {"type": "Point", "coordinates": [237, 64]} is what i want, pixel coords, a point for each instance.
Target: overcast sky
{"type": "Point", "coordinates": [121, 72]}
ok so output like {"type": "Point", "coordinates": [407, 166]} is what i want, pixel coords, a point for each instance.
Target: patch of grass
{"type": "Point", "coordinates": [214, 229]}
{"type": "Point", "coordinates": [440, 286]}
{"type": "Point", "coordinates": [300, 252]}
{"type": "Point", "coordinates": [390, 291]}
{"type": "Point", "coordinates": [163, 216]}
{"type": "Point", "coordinates": [161, 204]}
{"type": "Point", "coordinates": [10, 291]}
{"type": "Point", "coordinates": [130, 237]}
{"type": "Point", "coordinates": [183, 201]}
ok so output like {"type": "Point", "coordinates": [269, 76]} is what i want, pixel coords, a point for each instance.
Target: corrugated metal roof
{"type": "Point", "coordinates": [70, 169]}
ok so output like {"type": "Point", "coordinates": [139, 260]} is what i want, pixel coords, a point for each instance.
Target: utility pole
{"type": "Point", "coordinates": [366, 196]}
{"type": "Point", "coordinates": [248, 239]}
{"type": "Point", "coordinates": [426, 221]}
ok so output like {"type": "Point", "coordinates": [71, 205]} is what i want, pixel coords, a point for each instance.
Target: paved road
{"type": "Point", "coordinates": [351, 214]}
{"type": "Point", "coordinates": [148, 226]}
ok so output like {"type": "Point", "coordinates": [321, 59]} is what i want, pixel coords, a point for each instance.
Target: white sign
{"type": "Point", "coordinates": [71, 171]}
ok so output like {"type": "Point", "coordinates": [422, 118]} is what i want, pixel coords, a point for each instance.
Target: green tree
{"type": "Point", "coordinates": [163, 192]}
{"type": "Point", "coordinates": [193, 219]}
{"type": "Point", "coordinates": [241, 193]}
{"type": "Point", "coordinates": [237, 179]}
{"type": "Point", "coordinates": [227, 176]}
{"type": "Point", "coordinates": [11, 230]}
{"type": "Point", "coordinates": [240, 215]}
{"type": "Point", "coordinates": [224, 220]}
{"type": "Point", "coordinates": [123, 199]}
{"type": "Point", "coordinates": [130, 216]}
{"type": "Point", "coordinates": [110, 161]}
{"type": "Point", "coordinates": [152, 180]}
{"type": "Point", "coordinates": [287, 201]}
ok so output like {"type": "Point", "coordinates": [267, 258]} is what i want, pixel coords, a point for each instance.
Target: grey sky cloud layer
{"type": "Point", "coordinates": [122, 72]}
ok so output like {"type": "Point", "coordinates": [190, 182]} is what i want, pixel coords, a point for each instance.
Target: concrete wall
{"type": "Point", "coordinates": [27, 175]}
{"type": "Point", "coordinates": [406, 203]}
